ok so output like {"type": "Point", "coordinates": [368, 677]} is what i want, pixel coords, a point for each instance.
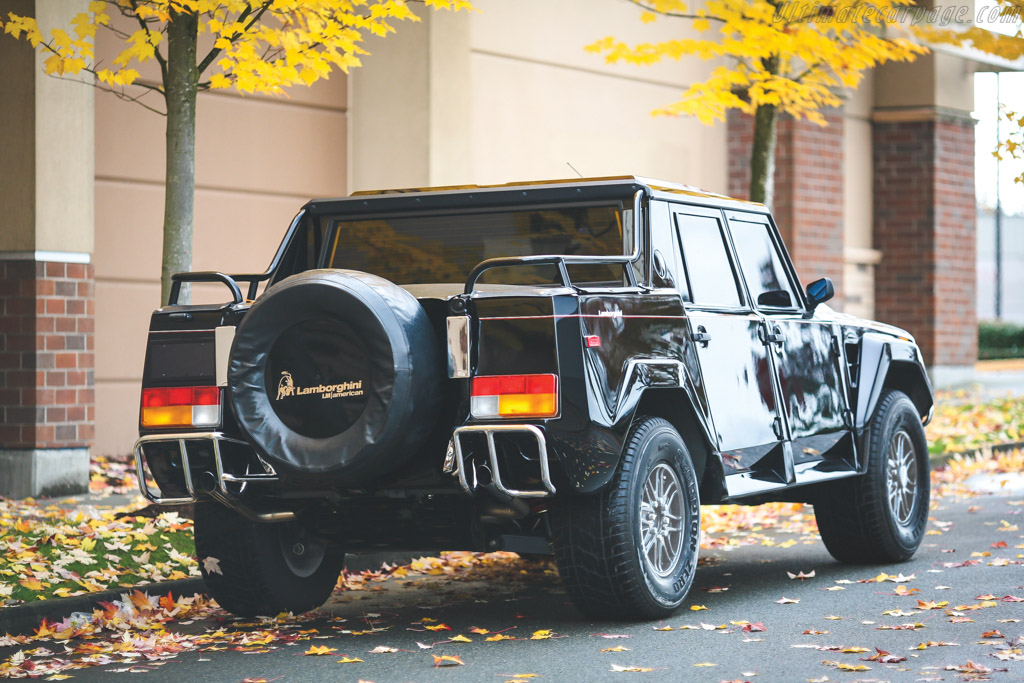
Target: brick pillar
{"type": "Point", "coordinates": [924, 212]}
{"type": "Point", "coordinates": [808, 189]}
{"type": "Point", "coordinates": [47, 408]}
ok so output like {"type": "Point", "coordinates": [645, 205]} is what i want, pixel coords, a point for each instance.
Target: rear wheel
{"type": "Point", "coordinates": [630, 552]}
{"type": "Point", "coordinates": [881, 516]}
{"type": "Point", "coordinates": [254, 569]}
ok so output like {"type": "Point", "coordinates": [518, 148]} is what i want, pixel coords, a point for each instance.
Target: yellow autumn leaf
{"type": "Point", "coordinates": [320, 650]}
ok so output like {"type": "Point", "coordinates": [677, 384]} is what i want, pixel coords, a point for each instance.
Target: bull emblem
{"type": "Point", "coordinates": [285, 386]}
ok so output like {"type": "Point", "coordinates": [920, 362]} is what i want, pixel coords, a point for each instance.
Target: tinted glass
{"type": "Point", "coordinates": [707, 262]}
{"type": "Point", "coordinates": [444, 249]}
{"type": "Point", "coordinates": [761, 264]}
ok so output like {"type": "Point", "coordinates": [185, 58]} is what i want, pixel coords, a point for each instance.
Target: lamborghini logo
{"type": "Point", "coordinates": [286, 387]}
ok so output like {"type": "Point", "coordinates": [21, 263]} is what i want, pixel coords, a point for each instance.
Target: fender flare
{"type": "Point", "coordinates": [887, 362]}
{"type": "Point", "coordinates": [648, 383]}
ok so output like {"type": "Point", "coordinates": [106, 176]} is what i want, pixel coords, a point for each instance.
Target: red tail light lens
{"type": "Point", "coordinates": [181, 407]}
{"type": "Point", "coordinates": [514, 396]}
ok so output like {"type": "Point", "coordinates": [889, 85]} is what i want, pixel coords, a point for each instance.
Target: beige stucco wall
{"type": "Point", "coordinates": [45, 142]}
{"type": "Point", "coordinates": [858, 217]}
{"type": "Point", "coordinates": [508, 93]}
{"type": "Point", "coordinates": [258, 159]}
{"type": "Point", "coordinates": [541, 101]}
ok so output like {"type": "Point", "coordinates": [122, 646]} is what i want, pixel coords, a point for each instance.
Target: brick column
{"type": "Point", "coordinates": [47, 408]}
{"type": "Point", "coordinates": [808, 189]}
{"type": "Point", "coordinates": [46, 280]}
{"type": "Point", "coordinates": [925, 228]}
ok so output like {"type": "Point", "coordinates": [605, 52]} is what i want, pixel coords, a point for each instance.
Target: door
{"type": "Point", "coordinates": [734, 364]}
{"type": "Point", "coordinates": [805, 349]}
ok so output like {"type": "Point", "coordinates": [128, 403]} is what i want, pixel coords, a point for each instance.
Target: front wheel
{"type": "Point", "coordinates": [630, 552]}
{"type": "Point", "coordinates": [253, 569]}
{"type": "Point", "coordinates": [881, 516]}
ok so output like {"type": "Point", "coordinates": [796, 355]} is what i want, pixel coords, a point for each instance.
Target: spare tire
{"type": "Point", "coordinates": [333, 377]}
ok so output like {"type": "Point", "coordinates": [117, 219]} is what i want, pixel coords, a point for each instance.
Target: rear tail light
{"type": "Point", "coordinates": [181, 407]}
{"type": "Point", "coordinates": [514, 396]}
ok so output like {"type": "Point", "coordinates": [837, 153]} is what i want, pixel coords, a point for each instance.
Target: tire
{"type": "Point", "coordinates": [334, 377]}
{"type": "Point", "coordinates": [599, 539]}
{"type": "Point", "coordinates": [880, 517]}
{"type": "Point", "coordinates": [258, 573]}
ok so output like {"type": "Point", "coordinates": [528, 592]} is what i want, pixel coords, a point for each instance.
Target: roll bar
{"type": "Point", "coordinates": [562, 261]}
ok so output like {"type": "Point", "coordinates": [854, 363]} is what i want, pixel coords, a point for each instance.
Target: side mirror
{"type": "Point", "coordinates": [819, 291]}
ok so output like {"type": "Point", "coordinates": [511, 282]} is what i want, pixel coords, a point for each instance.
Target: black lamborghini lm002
{"type": "Point", "coordinates": [565, 368]}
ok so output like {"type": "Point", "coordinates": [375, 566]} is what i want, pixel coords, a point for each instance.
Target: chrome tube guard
{"type": "Point", "coordinates": [459, 462]}
{"type": "Point", "coordinates": [223, 478]}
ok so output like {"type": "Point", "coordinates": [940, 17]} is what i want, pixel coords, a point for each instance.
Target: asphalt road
{"type": "Point", "coordinates": [755, 576]}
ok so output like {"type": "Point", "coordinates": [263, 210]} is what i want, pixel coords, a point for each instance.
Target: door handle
{"type": "Point", "coordinates": [770, 337]}
{"type": "Point", "coordinates": [701, 336]}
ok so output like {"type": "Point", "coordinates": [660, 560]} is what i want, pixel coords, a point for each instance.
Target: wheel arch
{"type": "Point", "coordinates": [676, 406]}
{"type": "Point", "coordinates": [891, 363]}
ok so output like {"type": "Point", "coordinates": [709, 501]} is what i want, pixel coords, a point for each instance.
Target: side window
{"type": "Point", "coordinates": [761, 264]}
{"type": "Point", "coordinates": [708, 269]}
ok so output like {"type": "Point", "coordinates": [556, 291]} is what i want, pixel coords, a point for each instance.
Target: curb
{"type": "Point", "coordinates": [24, 619]}
{"type": "Point", "coordinates": [942, 458]}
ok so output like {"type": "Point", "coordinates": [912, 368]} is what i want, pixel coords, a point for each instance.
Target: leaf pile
{"type": "Point", "coordinates": [962, 422]}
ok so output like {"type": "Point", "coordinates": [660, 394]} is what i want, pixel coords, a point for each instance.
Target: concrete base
{"type": "Point", "coordinates": [951, 376]}
{"type": "Point", "coordinates": [44, 472]}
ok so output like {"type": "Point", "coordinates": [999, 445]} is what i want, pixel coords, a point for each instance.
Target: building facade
{"type": "Point", "coordinates": [881, 200]}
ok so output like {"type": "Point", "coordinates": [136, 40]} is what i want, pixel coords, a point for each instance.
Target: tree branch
{"type": "Point", "coordinates": [677, 15]}
{"type": "Point", "coordinates": [121, 94]}
{"type": "Point", "coordinates": [156, 52]}
{"type": "Point", "coordinates": [212, 55]}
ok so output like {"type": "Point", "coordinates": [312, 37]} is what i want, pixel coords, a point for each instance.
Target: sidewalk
{"type": "Point", "coordinates": [993, 378]}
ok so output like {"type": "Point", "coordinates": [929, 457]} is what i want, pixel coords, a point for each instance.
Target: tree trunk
{"type": "Point", "coordinates": [762, 153]}
{"type": "Point", "coordinates": [179, 198]}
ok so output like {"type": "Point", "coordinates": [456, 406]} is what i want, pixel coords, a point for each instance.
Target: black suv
{"type": "Point", "coordinates": [564, 367]}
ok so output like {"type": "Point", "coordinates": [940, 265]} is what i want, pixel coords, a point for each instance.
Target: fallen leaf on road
{"type": "Point", "coordinates": [349, 660]}
{"type": "Point", "coordinates": [800, 575]}
{"type": "Point", "coordinates": [320, 650]}
{"type": "Point", "coordinates": [932, 643]}
{"type": "Point", "coordinates": [630, 669]}
{"type": "Point", "coordinates": [383, 650]}
{"type": "Point", "coordinates": [617, 648]}
{"type": "Point", "coordinates": [212, 565]}
{"type": "Point", "coordinates": [460, 639]}
{"type": "Point", "coordinates": [787, 601]}
{"type": "Point", "coordinates": [884, 657]}
{"type": "Point", "coordinates": [439, 627]}
{"type": "Point", "coordinates": [697, 608]}
{"type": "Point", "coordinates": [447, 660]}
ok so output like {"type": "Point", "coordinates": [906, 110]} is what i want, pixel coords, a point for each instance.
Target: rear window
{"type": "Point", "coordinates": [434, 248]}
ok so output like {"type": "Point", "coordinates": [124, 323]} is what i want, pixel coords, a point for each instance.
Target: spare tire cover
{"type": "Point", "coordinates": [334, 375]}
